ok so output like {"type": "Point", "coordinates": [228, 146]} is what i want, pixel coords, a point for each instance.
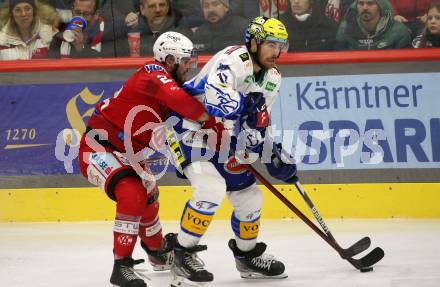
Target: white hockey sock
{"type": "Point", "coordinates": [245, 245]}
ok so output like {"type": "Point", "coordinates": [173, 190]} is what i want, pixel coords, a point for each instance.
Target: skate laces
{"type": "Point", "coordinates": [264, 261]}
{"type": "Point", "coordinates": [131, 273]}
{"type": "Point", "coordinates": [194, 262]}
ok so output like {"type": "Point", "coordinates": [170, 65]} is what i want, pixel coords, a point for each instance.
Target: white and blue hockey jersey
{"type": "Point", "coordinates": [225, 80]}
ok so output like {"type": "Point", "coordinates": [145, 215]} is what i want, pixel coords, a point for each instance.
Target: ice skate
{"type": "Point", "coordinates": [162, 259]}
{"type": "Point", "coordinates": [254, 264]}
{"type": "Point", "coordinates": [188, 269]}
{"type": "Point", "coordinates": [124, 275]}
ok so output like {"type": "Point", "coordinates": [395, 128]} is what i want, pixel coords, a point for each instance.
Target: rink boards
{"type": "Point", "coordinates": [403, 200]}
{"type": "Point", "coordinates": [325, 97]}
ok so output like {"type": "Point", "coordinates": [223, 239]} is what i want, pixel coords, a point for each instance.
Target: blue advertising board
{"type": "Point", "coordinates": [325, 122]}
{"type": "Point", "coordinates": [32, 117]}
{"type": "Point", "coordinates": [360, 121]}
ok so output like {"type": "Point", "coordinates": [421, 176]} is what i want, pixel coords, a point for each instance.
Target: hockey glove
{"type": "Point", "coordinates": [255, 114]}
{"type": "Point", "coordinates": [253, 102]}
{"type": "Point", "coordinates": [279, 169]}
{"type": "Point", "coordinates": [218, 132]}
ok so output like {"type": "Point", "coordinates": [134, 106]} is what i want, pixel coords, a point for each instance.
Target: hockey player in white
{"type": "Point", "coordinates": [238, 87]}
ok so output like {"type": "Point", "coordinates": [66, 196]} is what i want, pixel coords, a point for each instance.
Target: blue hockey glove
{"type": "Point", "coordinates": [253, 102]}
{"type": "Point", "coordinates": [279, 169]}
{"type": "Point", "coordinates": [257, 116]}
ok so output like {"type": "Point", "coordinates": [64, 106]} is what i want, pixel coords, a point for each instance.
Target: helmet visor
{"type": "Point", "coordinates": [277, 43]}
{"type": "Point", "coordinates": [192, 61]}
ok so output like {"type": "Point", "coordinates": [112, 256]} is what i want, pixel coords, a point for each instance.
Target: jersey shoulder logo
{"type": "Point", "coordinates": [153, 67]}
{"type": "Point", "coordinates": [244, 57]}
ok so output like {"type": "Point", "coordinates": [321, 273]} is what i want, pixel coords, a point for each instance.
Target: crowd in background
{"type": "Point", "coordinates": [31, 29]}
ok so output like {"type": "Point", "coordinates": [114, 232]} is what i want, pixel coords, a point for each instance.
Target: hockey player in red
{"type": "Point", "coordinates": [116, 131]}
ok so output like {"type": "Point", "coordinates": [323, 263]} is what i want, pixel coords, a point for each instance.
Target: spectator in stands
{"type": "Point", "coordinates": [131, 12]}
{"type": "Point", "coordinates": [369, 25]}
{"type": "Point", "coordinates": [191, 12]}
{"type": "Point", "coordinates": [157, 17]}
{"type": "Point", "coordinates": [124, 13]}
{"type": "Point", "coordinates": [268, 8]}
{"type": "Point", "coordinates": [220, 29]}
{"type": "Point", "coordinates": [309, 29]}
{"type": "Point", "coordinates": [336, 9]}
{"type": "Point", "coordinates": [412, 13]}
{"type": "Point", "coordinates": [28, 30]}
{"type": "Point", "coordinates": [97, 40]}
{"type": "Point", "coordinates": [125, 7]}
{"type": "Point", "coordinates": [63, 8]}
{"type": "Point", "coordinates": [430, 37]}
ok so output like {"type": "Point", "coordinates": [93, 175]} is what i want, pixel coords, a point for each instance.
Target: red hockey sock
{"type": "Point", "coordinates": [124, 236]}
{"type": "Point", "coordinates": [153, 240]}
{"type": "Point", "coordinates": [150, 230]}
{"type": "Point", "coordinates": [131, 198]}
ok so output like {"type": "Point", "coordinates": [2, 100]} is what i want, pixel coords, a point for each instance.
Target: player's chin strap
{"type": "Point", "coordinates": [254, 55]}
{"type": "Point", "coordinates": [174, 73]}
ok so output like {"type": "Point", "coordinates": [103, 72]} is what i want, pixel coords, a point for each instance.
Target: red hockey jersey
{"type": "Point", "coordinates": [146, 98]}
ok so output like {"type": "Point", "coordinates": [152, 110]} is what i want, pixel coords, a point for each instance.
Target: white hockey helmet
{"type": "Point", "coordinates": [175, 44]}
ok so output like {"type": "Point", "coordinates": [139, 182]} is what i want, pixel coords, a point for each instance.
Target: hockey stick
{"type": "Point", "coordinates": [358, 247]}
{"type": "Point", "coordinates": [363, 264]}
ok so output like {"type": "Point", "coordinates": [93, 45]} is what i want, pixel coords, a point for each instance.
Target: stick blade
{"type": "Point", "coordinates": [358, 247]}
{"type": "Point", "coordinates": [373, 257]}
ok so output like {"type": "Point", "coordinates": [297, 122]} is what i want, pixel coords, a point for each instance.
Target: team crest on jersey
{"type": "Point", "coordinates": [221, 104]}
{"type": "Point", "coordinates": [153, 67]}
{"type": "Point", "coordinates": [244, 57]}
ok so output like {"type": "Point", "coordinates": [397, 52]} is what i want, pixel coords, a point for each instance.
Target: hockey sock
{"type": "Point", "coordinates": [150, 230]}
{"type": "Point", "coordinates": [151, 234]}
{"type": "Point", "coordinates": [125, 231]}
{"type": "Point", "coordinates": [131, 199]}
{"type": "Point", "coordinates": [246, 232]}
{"type": "Point", "coordinates": [193, 225]}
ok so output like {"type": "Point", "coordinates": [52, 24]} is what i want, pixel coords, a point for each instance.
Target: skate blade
{"type": "Point", "coordinates": [179, 281]}
{"type": "Point", "coordinates": [161, 267]}
{"type": "Point", "coordinates": [255, 275]}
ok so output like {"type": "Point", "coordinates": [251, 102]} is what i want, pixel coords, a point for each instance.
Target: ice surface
{"type": "Point", "coordinates": [80, 254]}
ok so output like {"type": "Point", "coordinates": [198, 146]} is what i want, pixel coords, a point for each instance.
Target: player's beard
{"type": "Point", "coordinates": [262, 66]}
{"type": "Point", "coordinates": [176, 76]}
